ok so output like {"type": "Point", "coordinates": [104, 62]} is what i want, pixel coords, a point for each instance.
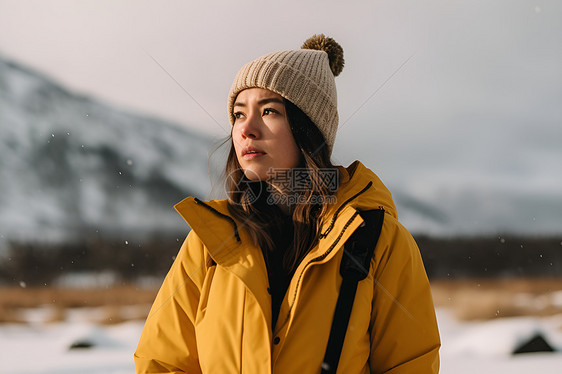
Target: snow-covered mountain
{"type": "Point", "coordinates": [71, 165]}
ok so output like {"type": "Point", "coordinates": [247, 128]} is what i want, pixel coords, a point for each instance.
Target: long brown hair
{"type": "Point", "coordinates": [248, 200]}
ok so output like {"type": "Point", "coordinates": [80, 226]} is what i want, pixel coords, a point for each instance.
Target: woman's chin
{"type": "Point", "coordinates": [255, 174]}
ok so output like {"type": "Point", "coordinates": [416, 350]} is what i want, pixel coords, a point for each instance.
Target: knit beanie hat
{"type": "Point", "coordinates": [303, 76]}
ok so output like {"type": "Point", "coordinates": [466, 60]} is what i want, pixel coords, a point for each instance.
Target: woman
{"type": "Point", "coordinates": [255, 284]}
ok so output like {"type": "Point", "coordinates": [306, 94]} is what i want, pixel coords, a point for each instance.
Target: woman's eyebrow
{"type": "Point", "coordinates": [262, 101]}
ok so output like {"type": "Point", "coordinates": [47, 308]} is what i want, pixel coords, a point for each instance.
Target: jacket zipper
{"type": "Point", "coordinates": [325, 233]}
{"type": "Point", "coordinates": [323, 255]}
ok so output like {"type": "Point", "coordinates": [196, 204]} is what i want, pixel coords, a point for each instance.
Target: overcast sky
{"type": "Point", "coordinates": [435, 95]}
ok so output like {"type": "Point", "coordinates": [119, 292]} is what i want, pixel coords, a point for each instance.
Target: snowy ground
{"type": "Point", "coordinates": [485, 347]}
{"type": "Point", "coordinates": [468, 347]}
{"type": "Point", "coordinates": [44, 349]}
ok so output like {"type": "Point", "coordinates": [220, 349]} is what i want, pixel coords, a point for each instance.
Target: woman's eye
{"type": "Point", "coordinates": [269, 111]}
{"type": "Point", "coordinates": [237, 115]}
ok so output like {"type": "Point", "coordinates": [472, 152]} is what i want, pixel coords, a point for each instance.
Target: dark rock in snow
{"type": "Point", "coordinates": [81, 344]}
{"type": "Point", "coordinates": [537, 343]}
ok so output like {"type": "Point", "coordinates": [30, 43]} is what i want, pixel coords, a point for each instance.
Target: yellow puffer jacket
{"type": "Point", "coordinates": [213, 312]}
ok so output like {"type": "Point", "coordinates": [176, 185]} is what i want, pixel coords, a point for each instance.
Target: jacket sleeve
{"type": "Point", "coordinates": [404, 333]}
{"type": "Point", "coordinates": [168, 343]}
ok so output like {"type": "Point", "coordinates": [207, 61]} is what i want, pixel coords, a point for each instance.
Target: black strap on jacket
{"type": "Point", "coordinates": [355, 264]}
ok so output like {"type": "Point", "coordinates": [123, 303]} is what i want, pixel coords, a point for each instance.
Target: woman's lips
{"type": "Point", "coordinates": [252, 155]}
{"type": "Point", "coordinates": [251, 152]}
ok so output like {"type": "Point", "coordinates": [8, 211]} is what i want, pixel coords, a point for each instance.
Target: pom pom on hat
{"type": "Point", "coordinates": [331, 47]}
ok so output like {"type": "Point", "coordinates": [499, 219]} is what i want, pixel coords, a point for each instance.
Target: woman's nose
{"type": "Point", "coordinates": [250, 128]}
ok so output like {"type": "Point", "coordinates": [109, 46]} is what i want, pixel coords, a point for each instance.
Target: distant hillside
{"type": "Point", "coordinates": [71, 165]}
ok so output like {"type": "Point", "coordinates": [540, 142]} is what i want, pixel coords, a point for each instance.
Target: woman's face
{"type": "Point", "coordinates": [262, 136]}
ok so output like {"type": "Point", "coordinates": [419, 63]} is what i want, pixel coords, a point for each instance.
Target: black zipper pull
{"type": "Point", "coordinates": [228, 218]}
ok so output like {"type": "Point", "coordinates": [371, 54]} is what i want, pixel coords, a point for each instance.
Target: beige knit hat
{"type": "Point", "coordinates": [303, 76]}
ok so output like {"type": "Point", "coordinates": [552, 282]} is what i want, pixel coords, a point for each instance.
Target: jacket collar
{"type": "Point", "coordinates": [360, 189]}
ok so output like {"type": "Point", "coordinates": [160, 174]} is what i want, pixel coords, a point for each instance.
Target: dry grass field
{"type": "Point", "coordinates": [470, 299]}
{"type": "Point", "coordinates": [111, 305]}
{"type": "Point", "coordinates": [481, 299]}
